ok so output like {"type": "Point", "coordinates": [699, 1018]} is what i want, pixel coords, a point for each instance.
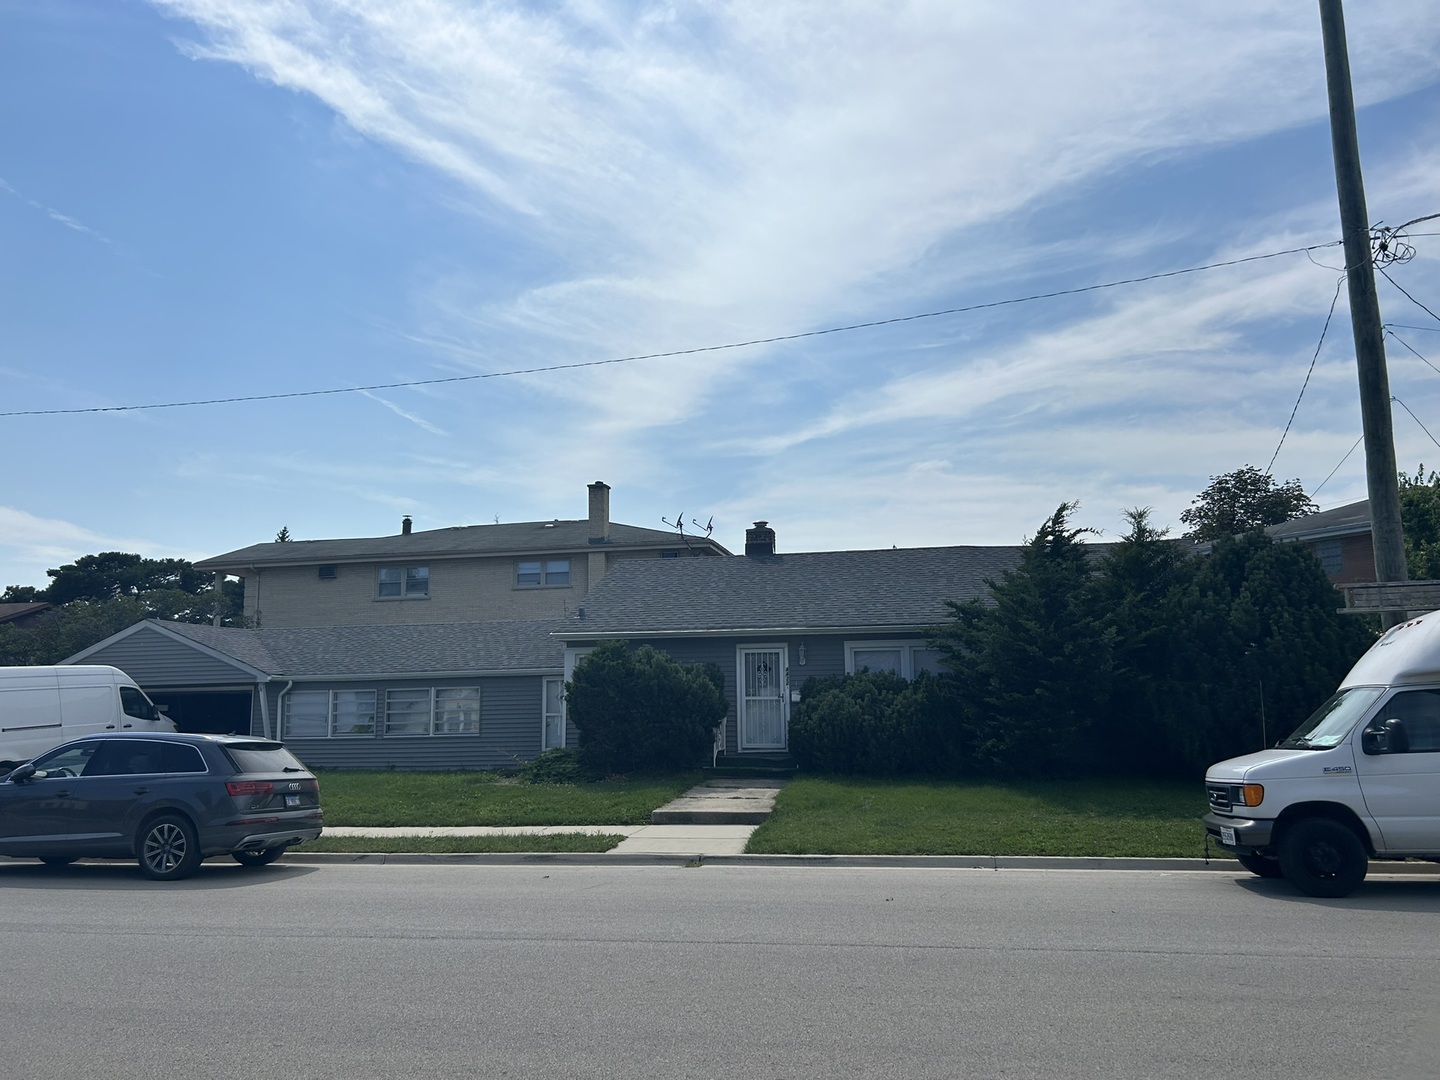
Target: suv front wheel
{"type": "Point", "coordinates": [167, 848]}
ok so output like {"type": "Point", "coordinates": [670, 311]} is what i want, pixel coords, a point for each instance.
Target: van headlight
{"type": "Point", "coordinates": [1247, 794]}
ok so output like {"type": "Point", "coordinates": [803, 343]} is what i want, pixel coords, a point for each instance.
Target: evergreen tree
{"type": "Point", "coordinates": [1034, 661]}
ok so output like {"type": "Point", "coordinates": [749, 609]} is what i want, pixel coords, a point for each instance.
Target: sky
{"type": "Point", "coordinates": [499, 204]}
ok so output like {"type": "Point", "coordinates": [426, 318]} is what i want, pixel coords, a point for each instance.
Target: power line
{"type": "Point", "coordinates": [676, 352]}
{"type": "Point", "coordinates": [1328, 316]}
{"type": "Point", "coordinates": [1337, 467]}
{"type": "Point", "coordinates": [1412, 299]}
{"type": "Point", "coordinates": [1415, 418]}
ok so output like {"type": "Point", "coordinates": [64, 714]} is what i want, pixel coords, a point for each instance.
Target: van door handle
{"type": "Point", "coordinates": [142, 791]}
{"type": "Point", "coordinates": [127, 725]}
{"type": "Point", "coordinates": [109, 727]}
{"type": "Point", "coordinates": [62, 794]}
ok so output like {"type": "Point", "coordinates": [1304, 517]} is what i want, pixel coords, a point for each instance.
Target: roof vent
{"type": "Point", "coordinates": [405, 525]}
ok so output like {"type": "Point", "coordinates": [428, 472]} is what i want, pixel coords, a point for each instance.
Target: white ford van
{"type": "Point", "coordinates": [41, 707]}
{"type": "Point", "coordinates": [1358, 780]}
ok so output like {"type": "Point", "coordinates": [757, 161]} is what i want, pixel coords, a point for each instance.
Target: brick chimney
{"type": "Point", "coordinates": [760, 540]}
{"type": "Point", "coordinates": [405, 525]}
{"type": "Point", "coordinates": [599, 513]}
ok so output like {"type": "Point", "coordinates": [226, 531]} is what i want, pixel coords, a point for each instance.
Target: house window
{"type": "Point", "coordinates": [317, 714]}
{"type": "Point", "coordinates": [407, 712]}
{"type": "Point", "coordinates": [905, 658]}
{"type": "Point", "coordinates": [552, 721]}
{"type": "Point", "coordinates": [539, 573]}
{"type": "Point", "coordinates": [402, 582]}
{"type": "Point", "coordinates": [457, 710]}
{"type": "Point", "coordinates": [1332, 557]}
{"type": "Point", "coordinates": [447, 710]}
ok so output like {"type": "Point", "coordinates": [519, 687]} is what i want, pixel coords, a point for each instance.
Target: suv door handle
{"type": "Point", "coordinates": [62, 794]}
{"type": "Point", "coordinates": [142, 791]}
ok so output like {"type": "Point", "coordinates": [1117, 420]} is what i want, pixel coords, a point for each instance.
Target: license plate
{"type": "Point", "coordinates": [294, 800]}
{"type": "Point", "coordinates": [1227, 834]}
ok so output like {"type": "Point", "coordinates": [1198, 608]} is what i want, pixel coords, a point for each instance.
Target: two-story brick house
{"type": "Point", "coordinates": [469, 573]}
{"type": "Point", "coordinates": [432, 649]}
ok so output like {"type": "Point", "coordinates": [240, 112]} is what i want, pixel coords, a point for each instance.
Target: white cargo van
{"type": "Point", "coordinates": [41, 707]}
{"type": "Point", "coordinates": [1358, 780]}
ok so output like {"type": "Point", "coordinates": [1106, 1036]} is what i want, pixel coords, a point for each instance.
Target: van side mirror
{"type": "Point", "coordinates": [23, 772]}
{"type": "Point", "coordinates": [1386, 737]}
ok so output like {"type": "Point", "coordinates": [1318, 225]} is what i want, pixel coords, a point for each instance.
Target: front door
{"type": "Point", "coordinates": [763, 680]}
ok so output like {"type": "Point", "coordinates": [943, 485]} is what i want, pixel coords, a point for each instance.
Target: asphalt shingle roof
{"type": "Point", "coordinates": [429, 648]}
{"type": "Point", "coordinates": [810, 590]}
{"type": "Point", "coordinates": [456, 542]}
{"type": "Point", "coordinates": [1337, 521]}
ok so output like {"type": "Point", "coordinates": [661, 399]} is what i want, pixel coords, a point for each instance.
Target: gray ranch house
{"type": "Point", "coordinates": [772, 621]}
{"type": "Point", "coordinates": [438, 696]}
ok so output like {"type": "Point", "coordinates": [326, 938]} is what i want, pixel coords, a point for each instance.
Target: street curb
{"type": "Point", "coordinates": [937, 862]}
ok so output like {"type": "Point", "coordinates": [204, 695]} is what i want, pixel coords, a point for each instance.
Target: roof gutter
{"type": "Point", "coordinates": [749, 631]}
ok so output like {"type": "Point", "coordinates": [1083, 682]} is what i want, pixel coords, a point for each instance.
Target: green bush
{"type": "Point", "coordinates": [639, 710]}
{"type": "Point", "coordinates": [559, 766]}
{"type": "Point", "coordinates": [876, 723]}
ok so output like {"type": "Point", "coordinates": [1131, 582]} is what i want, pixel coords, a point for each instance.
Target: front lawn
{"type": "Point", "coordinates": [383, 799]}
{"type": "Point", "coordinates": [849, 816]}
{"type": "Point", "coordinates": [563, 842]}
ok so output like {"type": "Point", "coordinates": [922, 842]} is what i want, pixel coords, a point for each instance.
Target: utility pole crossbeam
{"type": "Point", "coordinates": [1381, 473]}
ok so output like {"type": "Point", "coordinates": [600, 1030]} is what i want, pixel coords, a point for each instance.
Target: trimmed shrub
{"type": "Point", "coordinates": [876, 723]}
{"type": "Point", "coordinates": [559, 766]}
{"type": "Point", "coordinates": [639, 710]}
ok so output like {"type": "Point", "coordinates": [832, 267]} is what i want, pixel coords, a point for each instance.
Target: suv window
{"type": "Point", "coordinates": [133, 757]}
{"type": "Point", "coordinates": [263, 757]}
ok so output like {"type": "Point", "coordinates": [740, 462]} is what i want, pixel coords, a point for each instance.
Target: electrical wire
{"type": "Point", "coordinates": [1412, 299]}
{"type": "Point", "coordinates": [1337, 467]}
{"type": "Point", "coordinates": [1415, 418]}
{"type": "Point", "coordinates": [1080, 290]}
{"type": "Point", "coordinates": [1406, 345]}
{"type": "Point", "coordinates": [1323, 330]}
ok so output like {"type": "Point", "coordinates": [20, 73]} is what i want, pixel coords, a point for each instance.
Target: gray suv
{"type": "Point", "coordinates": [166, 800]}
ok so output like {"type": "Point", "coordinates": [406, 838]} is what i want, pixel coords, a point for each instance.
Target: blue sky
{"type": "Point", "coordinates": [205, 199]}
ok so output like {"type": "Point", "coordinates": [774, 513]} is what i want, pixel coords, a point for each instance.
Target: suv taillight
{"type": "Point", "coordinates": [249, 787]}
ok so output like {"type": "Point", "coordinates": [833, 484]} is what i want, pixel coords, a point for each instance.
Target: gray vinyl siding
{"type": "Point", "coordinates": [153, 659]}
{"type": "Point", "coordinates": [510, 729]}
{"type": "Point", "coordinates": [824, 656]}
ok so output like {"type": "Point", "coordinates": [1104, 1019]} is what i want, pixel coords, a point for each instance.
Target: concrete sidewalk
{"type": "Point", "coordinates": [696, 840]}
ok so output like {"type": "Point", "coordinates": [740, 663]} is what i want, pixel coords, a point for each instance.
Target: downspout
{"type": "Point", "coordinates": [280, 700]}
{"type": "Point", "coordinates": [264, 706]}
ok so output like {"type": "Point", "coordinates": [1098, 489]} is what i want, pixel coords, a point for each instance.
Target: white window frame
{"type": "Point", "coordinates": [544, 570]}
{"type": "Point", "coordinates": [907, 648]}
{"type": "Point", "coordinates": [408, 575]}
{"type": "Point", "coordinates": [436, 708]}
{"type": "Point", "coordinates": [546, 714]}
{"type": "Point", "coordinates": [429, 692]}
{"type": "Point", "coordinates": [331, 715]}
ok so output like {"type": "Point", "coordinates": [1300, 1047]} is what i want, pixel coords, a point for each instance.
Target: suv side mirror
{"type": "Point", "coordinates": [1386, 737]}
{"type": "Point", "coordinates": [22, 772]}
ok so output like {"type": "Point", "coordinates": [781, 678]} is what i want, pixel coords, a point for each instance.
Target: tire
{"type": "Point", "coordinates": [57, 860]}
{"type": "Point", "coordinates": [1323, 858]}
{"type": "Point", "coordinates": [167, 848]}
{"type": "Point", "coordinates": [1264, 866]}
{"type": "Point", "coordinates": [258, 856]}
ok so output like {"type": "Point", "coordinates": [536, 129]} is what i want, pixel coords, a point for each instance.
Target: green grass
{"type": "Point", "coordinates": [847, 816]}
{"type": "Point", "coordinates": [451, 844]}
{"type": "Point", "coordinates": [383, 799]}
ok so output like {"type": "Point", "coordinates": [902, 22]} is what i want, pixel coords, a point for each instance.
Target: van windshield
{"type": "Point", "coordinates": [1330, 723]}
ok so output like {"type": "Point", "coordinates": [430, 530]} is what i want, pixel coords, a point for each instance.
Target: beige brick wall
{"type": "Point", "coordinates": [461, 590]}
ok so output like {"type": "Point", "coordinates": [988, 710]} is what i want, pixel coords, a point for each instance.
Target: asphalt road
{"type": "Point", "coordinates": [344, 971]}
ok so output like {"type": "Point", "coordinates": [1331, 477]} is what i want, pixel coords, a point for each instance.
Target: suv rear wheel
{"type": "Point", "coordinates": [1323, 858]}
{"type": "Point", "coordinates": [167, 849]}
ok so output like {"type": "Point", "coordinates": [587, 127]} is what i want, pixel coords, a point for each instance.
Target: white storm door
{"type": "Point", "coordinates": [764, 690]}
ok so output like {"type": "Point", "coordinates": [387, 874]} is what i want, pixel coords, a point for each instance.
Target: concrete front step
{"type": "Point", "coordinates": [721, 801]}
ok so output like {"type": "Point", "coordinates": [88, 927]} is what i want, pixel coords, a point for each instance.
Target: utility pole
{"type": "Point", "coordinates": [1380, 469]}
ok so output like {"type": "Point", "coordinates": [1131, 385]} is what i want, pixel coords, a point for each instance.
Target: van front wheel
{"type": "Point", "coordinates": [1260, 865]}
{"type": "Point", "coordinates": [1323, 858]}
